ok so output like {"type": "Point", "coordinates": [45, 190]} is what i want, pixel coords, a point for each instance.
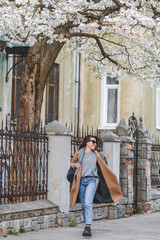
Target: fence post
{"type": "Point", "coordinates": [58, 164]}
{"type": "Point", "coordinates": [144, 190]}
{"type": "Point", "coordinates": [111, 149]}
{"type": "Point", "coordinates": [126, 164]}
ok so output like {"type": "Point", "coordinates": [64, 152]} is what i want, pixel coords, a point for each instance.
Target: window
{"type": "Point", "coordinates": [110, 103]}
{"type": "Point", "coordinates": [158, 109]}
{"type": "Point", "coordinates": [52, 93]}
{"type": "Point", "coordinates": [52, 90]}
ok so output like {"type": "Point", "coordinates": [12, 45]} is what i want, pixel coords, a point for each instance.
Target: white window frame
{"type": "Point", "coordinates": [158, 109]}
{"type": "Point", "coordinates": [104, 104]}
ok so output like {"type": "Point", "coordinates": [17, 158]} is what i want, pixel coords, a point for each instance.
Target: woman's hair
{"type": "Point", "coordinates": [87, 139]}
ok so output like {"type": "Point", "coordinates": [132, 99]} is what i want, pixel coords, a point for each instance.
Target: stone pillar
{"type": "Point", "coordinates": [126, 164]}
{"type": "Point", "coordinates": [126, 169]}
{"type": "Point", "coordinates": [143, 165]}
{"type": "Point", "coordinates": [111, 149]}
{"type": "Point", "coordinates": [58, 164]}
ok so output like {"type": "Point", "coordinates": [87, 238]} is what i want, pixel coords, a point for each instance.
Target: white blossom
{"type": "Point", "coordinates": [129, 36]}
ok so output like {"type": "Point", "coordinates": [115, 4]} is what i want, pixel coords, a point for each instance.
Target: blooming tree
{"type": "Point", "coordinates": [116, 35]}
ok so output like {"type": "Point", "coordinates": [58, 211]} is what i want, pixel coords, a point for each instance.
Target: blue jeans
{"type": "Point", "coordinates": [87, 192]}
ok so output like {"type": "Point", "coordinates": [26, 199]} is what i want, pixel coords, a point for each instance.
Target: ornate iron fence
{"type": "Point", "coordinates": [155, 161]}
{"type": "Point", "coordinates": [23, 164]}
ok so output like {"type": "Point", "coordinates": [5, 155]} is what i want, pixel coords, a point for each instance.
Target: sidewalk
{"type": "Point", "coordinates": [139, 227]}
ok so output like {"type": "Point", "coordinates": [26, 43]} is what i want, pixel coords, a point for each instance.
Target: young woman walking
{"type": "Point", "coordinates": [93, 180]}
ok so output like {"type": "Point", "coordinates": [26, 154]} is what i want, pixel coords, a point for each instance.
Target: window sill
{"type": "Point", "coordinates": [107, 128]}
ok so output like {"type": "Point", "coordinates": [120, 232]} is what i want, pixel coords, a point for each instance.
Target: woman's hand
{"type": "Point", "coordinates": [77, 165]}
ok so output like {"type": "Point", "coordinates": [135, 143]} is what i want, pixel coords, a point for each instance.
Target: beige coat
{"type": "Point", "coordinates": [109, 176]}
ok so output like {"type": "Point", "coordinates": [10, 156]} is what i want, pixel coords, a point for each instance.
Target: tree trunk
{"type": "Point", "coordinates": [38, 63]}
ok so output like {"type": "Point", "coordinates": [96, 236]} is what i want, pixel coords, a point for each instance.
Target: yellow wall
{"type": "Point", "coordinates": [90, 104]}
{"type": "Point", "coordinates": [131, 98]}
{"type": "Point", "coordinates": [141, 99]}
{"type": "Point", "coordinates": [90, 91]}
{"type": "Point", "coordinates": [134, 96]}
{"type": "Point", "coordinates": [66, 86]}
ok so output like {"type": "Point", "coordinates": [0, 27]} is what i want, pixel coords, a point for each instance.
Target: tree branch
{"type": "Point", "coordinates": [106, 12]}
{"type": "Point", "coordinates": [119, 4]}
{"type": "Point", "coordinates": [156, 13]}
{"type": "Point", "coordinates": [89, 15]}
{"type": "Point", "coordinates": [104, 54]}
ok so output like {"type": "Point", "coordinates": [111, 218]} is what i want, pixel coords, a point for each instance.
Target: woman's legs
{"type": "Point", "coordinates": [82, 191]}
{"type": "Point", "coordinates": [87, 192]}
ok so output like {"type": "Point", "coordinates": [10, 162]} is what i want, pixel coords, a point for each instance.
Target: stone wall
{"type": "Point", "coordinates": [38, 215]}
{"type": "Point", "coordinates": [100, 211]}
{"type": "Point", "coordinates": [31, 216]}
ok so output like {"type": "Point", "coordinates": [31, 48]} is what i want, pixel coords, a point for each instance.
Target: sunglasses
{"type": "Point", "coordinates": [93, 141]}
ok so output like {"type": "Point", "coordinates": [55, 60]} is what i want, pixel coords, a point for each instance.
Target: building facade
{"type": "Point", "coordinates": [74, 96]}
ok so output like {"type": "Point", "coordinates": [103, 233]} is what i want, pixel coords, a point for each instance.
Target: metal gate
{"type": "Point", "coordinates": [23, 164]}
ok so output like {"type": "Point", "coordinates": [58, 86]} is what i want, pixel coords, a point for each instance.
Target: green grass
{"type": "Point", "coordinates": [74, 223]}
{"type": "Point", "coordinates": [15, 233]}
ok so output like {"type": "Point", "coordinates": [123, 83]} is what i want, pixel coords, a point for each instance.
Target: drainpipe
{"type": "Point", "coordinates": [77, 92]}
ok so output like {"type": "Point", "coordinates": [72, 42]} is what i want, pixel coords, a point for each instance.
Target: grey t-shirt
{"type": "Point", "coordinates": [89, 167]}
